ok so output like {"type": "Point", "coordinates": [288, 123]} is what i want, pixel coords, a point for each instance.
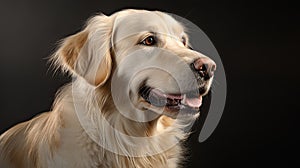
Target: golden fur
{"type": "Point", "coordinates": [58, 138]}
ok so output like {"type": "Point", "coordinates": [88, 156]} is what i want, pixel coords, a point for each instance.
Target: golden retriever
{"type": "Point", "coordinates": [137, 87]}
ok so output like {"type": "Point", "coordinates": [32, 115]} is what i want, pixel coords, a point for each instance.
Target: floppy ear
{"type": "Point", "coordinates": [87, 54]}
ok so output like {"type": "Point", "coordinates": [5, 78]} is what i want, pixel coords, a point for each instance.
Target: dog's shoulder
{"type": "Point", "coordinates": [22, 144]}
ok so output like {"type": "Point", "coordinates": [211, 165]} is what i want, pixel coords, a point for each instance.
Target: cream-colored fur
{"type": "Point", "coordinates": [68, 135]}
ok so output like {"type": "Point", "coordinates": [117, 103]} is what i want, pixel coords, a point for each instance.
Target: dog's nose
{"type": "Point", "coordinates": [205, 67]}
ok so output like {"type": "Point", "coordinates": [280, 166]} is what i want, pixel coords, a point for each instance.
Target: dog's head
{"type": "Point", "coordinates": [144, 55]}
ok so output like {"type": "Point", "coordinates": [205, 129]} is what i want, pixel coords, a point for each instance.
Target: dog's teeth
{"type": "Point", "coordinates": [172, 102]}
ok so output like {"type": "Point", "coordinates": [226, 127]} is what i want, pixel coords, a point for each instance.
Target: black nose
{"type": "Point", "coordinates": [205, 67]}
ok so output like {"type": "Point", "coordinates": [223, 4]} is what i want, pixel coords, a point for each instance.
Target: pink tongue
{"type": "Point", "coordinates": [194, 102]}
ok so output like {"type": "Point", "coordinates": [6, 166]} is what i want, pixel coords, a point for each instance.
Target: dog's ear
{"type": "Point", "coordinates": [88, 53]}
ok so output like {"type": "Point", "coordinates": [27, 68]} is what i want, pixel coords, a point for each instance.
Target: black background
{"type": "Point", "coordinates": [257, 42]}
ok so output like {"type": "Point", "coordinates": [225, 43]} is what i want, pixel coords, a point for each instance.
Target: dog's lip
{"type": "Point", "coordinates": [193, 102]}
{"type": "Point", "coordinates": [189, 101]}
{"type": "Point", "coordinates": [162, 94]}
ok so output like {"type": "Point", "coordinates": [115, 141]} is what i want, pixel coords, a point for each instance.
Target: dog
{"type": "Point", "coordinates": [137, 85]}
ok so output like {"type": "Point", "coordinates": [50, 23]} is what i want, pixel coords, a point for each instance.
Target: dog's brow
{"type": "Point", "coordinates": [146, 34]}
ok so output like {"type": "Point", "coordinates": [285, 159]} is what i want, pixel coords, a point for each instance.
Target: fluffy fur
{"type": "Point", "coordinates": [84, 111]}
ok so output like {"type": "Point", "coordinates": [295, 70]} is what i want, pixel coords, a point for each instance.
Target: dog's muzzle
{"type": "Point", "coordinates": [190, 101]}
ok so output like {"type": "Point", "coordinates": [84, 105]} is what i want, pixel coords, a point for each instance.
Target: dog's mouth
{"type": "Point", "coordinates": [188, 102]}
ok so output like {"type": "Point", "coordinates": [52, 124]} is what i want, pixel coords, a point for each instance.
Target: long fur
{"type": "Point", "coordinates": [58, 138]}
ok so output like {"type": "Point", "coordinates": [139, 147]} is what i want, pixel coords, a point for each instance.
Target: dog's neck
{"type": "Point", "coordinates": [114, 133]}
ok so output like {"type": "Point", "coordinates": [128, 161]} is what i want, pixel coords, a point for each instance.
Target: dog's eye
{"type": "Point", "coordinates": [149, 41]}
{"type": "Point", "coordinates": [184, 41]}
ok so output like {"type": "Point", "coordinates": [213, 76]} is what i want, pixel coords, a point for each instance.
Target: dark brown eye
{"type": "Point", "coordinates": [184, 41]}
{"type": "Point", "coordinates": [149, 41]}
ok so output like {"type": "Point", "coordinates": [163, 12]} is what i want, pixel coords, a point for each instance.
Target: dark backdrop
{"type": "Point", "coordinates": [257, 42]}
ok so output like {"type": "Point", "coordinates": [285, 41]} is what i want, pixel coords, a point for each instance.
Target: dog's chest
{"type": "Point", "coordinates": [76, 150]}
{"type": "Point", "coordinates": [83, 152]}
